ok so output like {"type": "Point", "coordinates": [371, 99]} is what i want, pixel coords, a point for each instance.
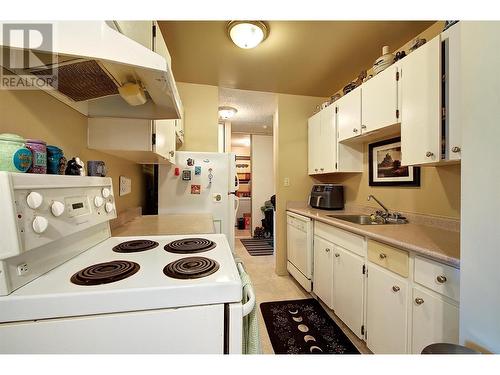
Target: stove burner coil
{"type": "Point", "coordinates": [104, 273]}
{"type": "Point", "coordinates": [135, 246]}
{"type": "Point", "coordinates": [191, 268]}
{"type": "Point", "coordinates": [190, 246]}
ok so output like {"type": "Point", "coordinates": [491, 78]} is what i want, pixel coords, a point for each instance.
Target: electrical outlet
{"type": "Point", "coordinates": [125, 185]}
{"type": "Point", "coordinates": [22, 269]}
{"type": "Point", "coordinates": [286, 181]}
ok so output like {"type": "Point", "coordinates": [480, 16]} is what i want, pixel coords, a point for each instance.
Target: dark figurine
{"type": "Point", "coordinates": [73, 168]}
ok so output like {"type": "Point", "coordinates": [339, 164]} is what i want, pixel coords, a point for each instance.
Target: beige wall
{"type": "Point", "coordinates": [438, 194]}
{"type": "Point", "coordinates": [290, 152]}
{"type": "Point", "coordinates": [34, 114]}
{"type": "Point", "coordinates": [201, 103]}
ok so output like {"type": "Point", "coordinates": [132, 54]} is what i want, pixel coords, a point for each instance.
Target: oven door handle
{"type": "Point", "coordinates": [250, 304]}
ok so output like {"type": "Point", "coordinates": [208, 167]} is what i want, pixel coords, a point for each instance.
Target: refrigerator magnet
{"type": "Point", "coordinates": [197, 170]}
{"type": "Point", "coordinates": [186, 175]}
{"type": "Point", "coordinates": [190, 162]}
{"type": "Point", "coordinates": [195, 189]}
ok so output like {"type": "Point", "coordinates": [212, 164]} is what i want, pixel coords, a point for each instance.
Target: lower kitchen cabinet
{"type": "Point", "coordinates": [386, 315]}
{"type": "Point", "coordinates": [348, 287]}
{"type": "Point", "coordinates": [434, 320]}
{"type": "Point", "coordinates": [323, 270]}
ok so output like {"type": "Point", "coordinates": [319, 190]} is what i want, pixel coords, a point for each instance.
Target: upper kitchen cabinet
{"type": "Point", "coordinates": [379, 100]}
{"type": "Point", "coordinates": [348, 111]}
{"type": "Point", "coordinates": [326, 155]}
{"type": "Point", "coordinates": [314, 139]}
{"type": "Point", "coordinates": [421, 107]}
{"type": "Point", "coordinates": [141, 141]}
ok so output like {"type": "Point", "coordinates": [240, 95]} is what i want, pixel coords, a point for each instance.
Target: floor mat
{"type": "Point", "coordinates": [303, 327]}
{"type": "Point", "coordinates": [258, 246]}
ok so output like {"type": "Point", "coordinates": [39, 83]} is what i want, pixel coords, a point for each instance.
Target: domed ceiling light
{"type": "Point", "coordinates": [225, 112]}
{"type": "Point", "coordinates": [247, 34]}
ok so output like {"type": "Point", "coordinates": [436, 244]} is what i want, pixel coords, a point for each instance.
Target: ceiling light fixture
{"type": "Point", "coordinates": [226, 112]}
{"type": "Point", "coordinates": [247, 34]}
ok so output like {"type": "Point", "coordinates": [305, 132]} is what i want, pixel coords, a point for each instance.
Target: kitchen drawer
{"type": "Point", "coordinates": [389, 257]}
{"type": "Point", "coordinates": [342, 238]}
{"type": "Point", "coordinates": [438, 277]}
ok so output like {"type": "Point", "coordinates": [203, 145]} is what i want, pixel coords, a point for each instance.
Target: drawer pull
{"type": "Point", "coordinates": [327, 250]}
{"type": "Point", "coordinates": [382, 256]}
{"type": "Point", "coordinates": [337, 255]}
{"type": "Point", "coordinates": [396, 288]}
{"type": "Point", "coordinates": [441, 279]}
{"type": "Point", "coordinates": [419, 301]}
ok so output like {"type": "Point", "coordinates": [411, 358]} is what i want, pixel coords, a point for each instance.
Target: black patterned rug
{"type": "Point", "coordinates": [258, 246]}
{"type": "Point", "coordinates": [303, 327]}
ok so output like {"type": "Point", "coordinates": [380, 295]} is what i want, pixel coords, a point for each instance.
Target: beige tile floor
{"type": "Point", "coordinates": [270, 287]}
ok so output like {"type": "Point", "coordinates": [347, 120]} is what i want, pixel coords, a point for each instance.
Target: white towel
{"type": "Point", "coordinates": [251, 339]}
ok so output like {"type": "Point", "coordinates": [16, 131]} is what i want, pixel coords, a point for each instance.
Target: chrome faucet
{"type": "Point", "coordinates": [380, 203]}
{"type": "Point", "coordinates": [387, 217]}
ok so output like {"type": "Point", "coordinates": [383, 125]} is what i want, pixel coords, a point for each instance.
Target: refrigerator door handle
{"type": "Point", "coordinates": [237, 206]}
{"type": "Point", "coordinates": [237, 187]}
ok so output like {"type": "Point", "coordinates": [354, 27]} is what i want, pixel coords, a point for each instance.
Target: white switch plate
{"type": "Point", "coordinates": [125, 185]}
{"type": "Point", "coordinates": [286, 181]}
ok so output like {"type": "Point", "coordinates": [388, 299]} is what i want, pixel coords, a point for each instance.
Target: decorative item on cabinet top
{"type": "Point", "coordinates": [385, 168]}
{"type": "Point", "coordinates": [384, 61]}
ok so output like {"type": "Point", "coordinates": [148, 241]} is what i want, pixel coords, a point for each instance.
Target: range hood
{"type": "Point", "coordinates": [96, 68]}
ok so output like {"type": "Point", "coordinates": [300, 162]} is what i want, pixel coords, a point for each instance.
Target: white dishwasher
{"type": "Point", "coordinates": [300, 248]}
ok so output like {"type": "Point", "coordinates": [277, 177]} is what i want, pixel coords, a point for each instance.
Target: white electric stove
{"type": "Point", "coordinates": [66, 286]}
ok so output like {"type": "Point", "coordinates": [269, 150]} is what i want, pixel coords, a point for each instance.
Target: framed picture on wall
{"type": "Point", "coordinates": [384, 165]}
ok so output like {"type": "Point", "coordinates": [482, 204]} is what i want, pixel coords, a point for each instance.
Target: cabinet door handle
{"type": "Point", "coordinates": [321, 169]}
{"type": "Point", "coordinates": [382, 256]}
{"type": "Point", "coordinates": [316, 169]}
{"type": "Point", "coordinates": [355, 130]}
{"type": "Point", "coordinates": [455, 149]}
{"type": "Point", "coordinates": [429, 154]}
{"type": "Point", "coordinates": [419, 300]}
{"type": "Point", "coordinates": [363, 127]}
{"type": "Point", "coordinates": [337, 255]}
{"type": "Point", "coordinates": [441, 279]}
{"type": "Point", "coordinates": [396, 288]}
{"type": "Point", "coordinates": [171, 153]}
{"type": "Point", "coordinates": [327, 250]}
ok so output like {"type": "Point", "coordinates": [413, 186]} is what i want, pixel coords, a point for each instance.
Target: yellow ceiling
{"type": "Point", "coordinates": [299, 57]}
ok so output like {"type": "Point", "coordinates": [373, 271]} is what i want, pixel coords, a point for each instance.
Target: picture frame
{"type": "Point", "coordinates": [384, 165]}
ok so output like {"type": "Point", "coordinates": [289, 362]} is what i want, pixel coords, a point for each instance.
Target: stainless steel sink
{"type": "Point", "coordinates": [357, 219]}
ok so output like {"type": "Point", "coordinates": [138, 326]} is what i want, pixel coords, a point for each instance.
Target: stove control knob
{"type": "Point", "coordinates": [109, 207]}
{"type": "Point", "coordinates": [34, 200]}
{"type": "Point", "coordinates": [40, 224]}
{"type": "Point", "coordinates": [106, 193]}
{"type": "Point", "coordinates": [57, 208]}
{"type": "Point", "coordinates": [98, 201]}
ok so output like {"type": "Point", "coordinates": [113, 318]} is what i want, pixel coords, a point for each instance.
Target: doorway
{"type": "Point", "coordinates": [249, 135]}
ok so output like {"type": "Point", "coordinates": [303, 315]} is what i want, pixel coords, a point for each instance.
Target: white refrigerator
{"type": "Point", "coordinates": [201, 182]}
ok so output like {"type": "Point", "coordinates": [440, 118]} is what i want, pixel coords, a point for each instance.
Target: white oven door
{"type": "Point", "coordinates": [188, 330]}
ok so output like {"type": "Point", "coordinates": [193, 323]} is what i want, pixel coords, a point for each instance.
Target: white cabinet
{"type": "Point", "coordinates": [140, 31]}
{"type": "Point", "coordinates": [421, 105]}
{"type": "Point", "coordinates": [314, 139]}
{"type": "Point", "coordinates": [434, 320]}
{"type": "Point", "coordinates": [328, 141]}
{"type": "Point", "coordinates": [141, 141]}
{"type": "Point", "coordinates": [325, 154]}
{"type": "Point", "coordinates": [386, 315]}
{"type": "Point", "coordinates": [322, 142]}
{"type": "Point", "coordinates": [348, 110]}
{"type": "Point", "coordinates": [323, 270]}
{"type": "Point", "coordinates": [379, 100]}
{"type": "Point", "coordinates": [450, 42]}
{"type": "Point", "coordinates": [348, 288]}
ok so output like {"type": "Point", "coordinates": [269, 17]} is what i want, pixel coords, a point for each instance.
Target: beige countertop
{"type": "Point", "coordinates": [150, 225]}
{"type": "Point", "coordinates": [436, 243]}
